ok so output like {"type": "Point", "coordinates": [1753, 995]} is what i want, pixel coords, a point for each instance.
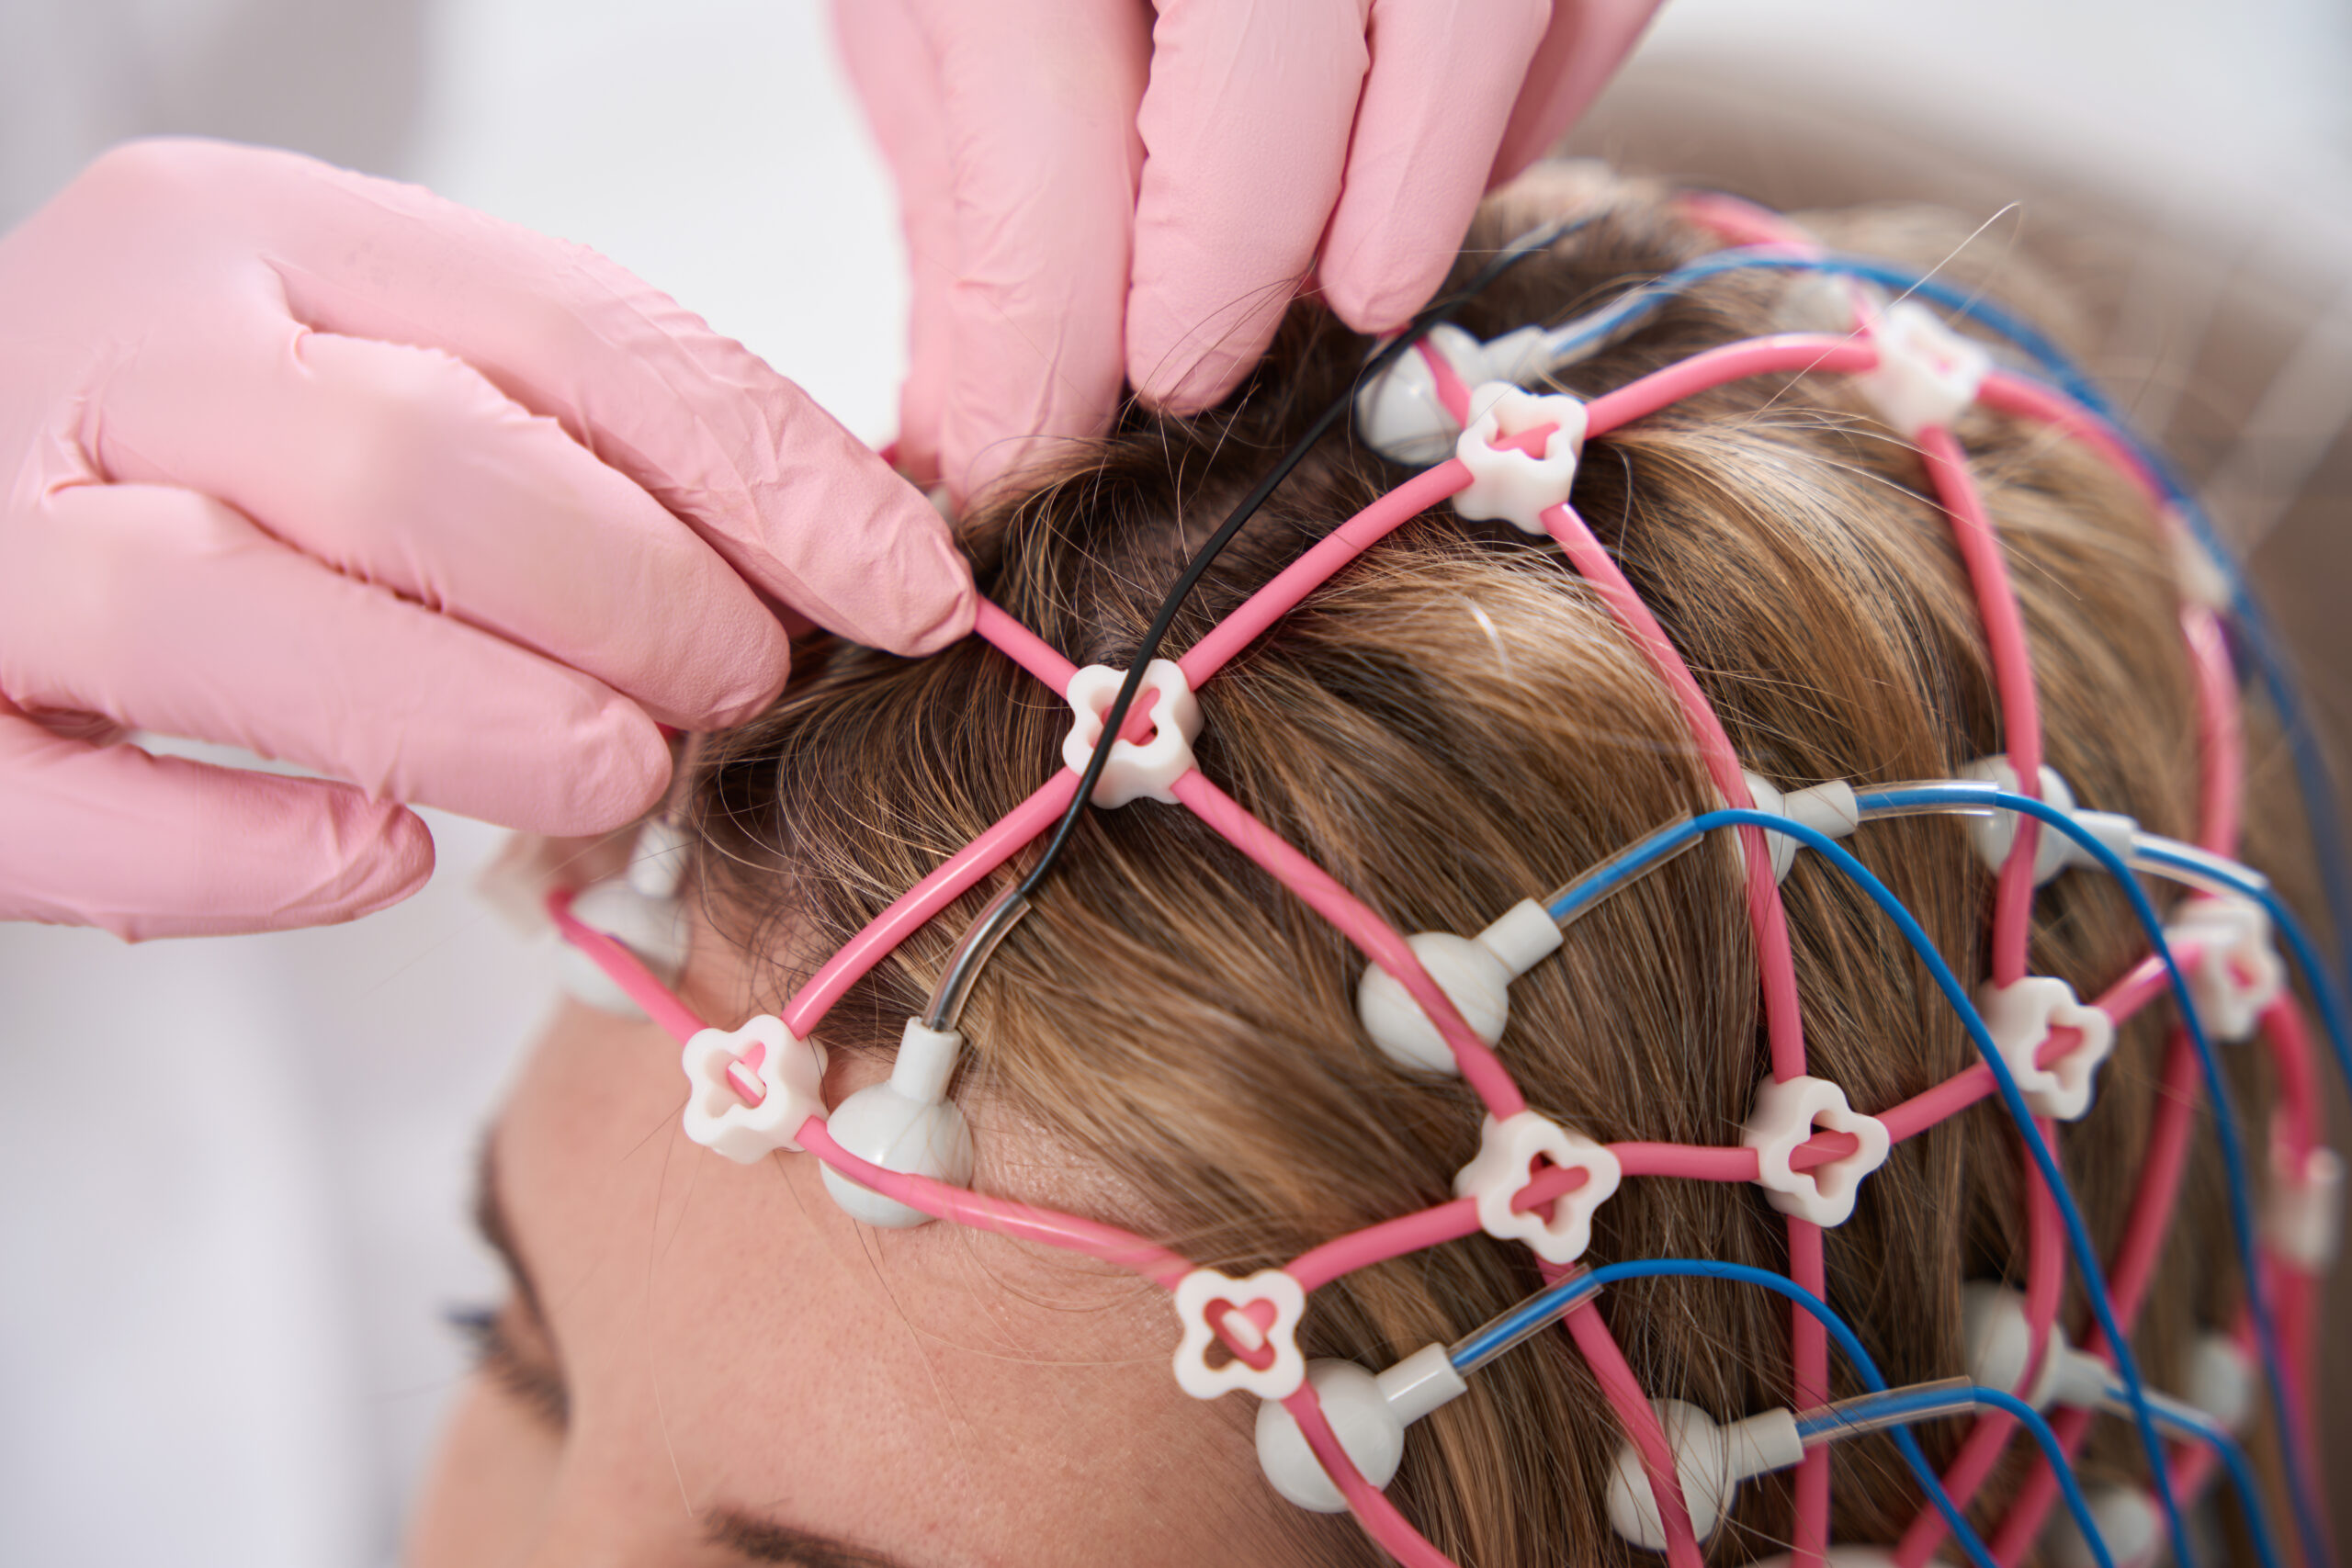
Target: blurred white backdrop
{"type": "Point", "coordinates": [233, 1172]}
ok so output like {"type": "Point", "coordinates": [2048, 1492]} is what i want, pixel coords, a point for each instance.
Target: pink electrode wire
{"type": "Point", "coordinates": [2219, 804]}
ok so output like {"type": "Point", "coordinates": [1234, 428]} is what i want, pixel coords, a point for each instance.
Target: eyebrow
{"type": "Point", "coordinates": [764, 1540]}
{"type": "Point", "coordinates": [737, 1529]}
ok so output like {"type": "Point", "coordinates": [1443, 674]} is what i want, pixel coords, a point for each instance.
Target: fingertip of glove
{"type": "Point", "coordinates": [605, 769]}
{"type": "Point", "coordinates": [1376, 301]}
{"type": "Point", "coordinates": [368, 854]}
{"type": "Point", "coordinates": [402, 863]}
{"type": "Point", "coordinates": [933, 600]}
{"type": "Point", "coordinates": [1183, 391]}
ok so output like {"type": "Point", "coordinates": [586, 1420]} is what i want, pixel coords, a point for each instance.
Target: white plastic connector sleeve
{"type": "Point", "coordinates": [2021, 1016]}
{"type": "Point", "coordinates": [1134, 771]}
{"type": "Point", "coordinates": [905, 1124]}
{"type": "Point", "coordinates": [2302, 1220]}
{"type": "Point", "coordinates": [1422, 1382]}
{"type": "Point", "coordinates": [1367, 1413]}
{"type": "Point", "coordinates": [654, 929]}
{"type": "Point", "coordinates": [1504, 1167]}
{"type": "Point", "coordinates": [2127, 1520]}
{"type": "Point", "coordinates": [1475, 973]}
{"type": "Point", "coordinates": [1505, 482]}
{"type": "Point", "coordinates": [1828, 810]}
{"type": "Point", "coordinates": [1927, 373]}
{"type": "Point", "coordinates": [2237, 973]}
{"type": "Point", "coordinates": [1709, 1460]}
{"type": "Point", "coordinates": [1994, 834]}
{"type": "Point", "coordinates": [2000, 1342]}
{"type": "Point", "coordinates": [1785, 1115]}
{"type": "Point", "coordinates": [791, 1072]}
{"type": "Point", "coordinates": [1267, 1305]}
{"type": "Point", "coordinates": [1400, 412]}
{"type": "Point", "coordinates": [2222, 1381]}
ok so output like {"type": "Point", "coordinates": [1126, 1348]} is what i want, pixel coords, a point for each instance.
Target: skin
{"type": "Point", "coordinates": [702, 1362]}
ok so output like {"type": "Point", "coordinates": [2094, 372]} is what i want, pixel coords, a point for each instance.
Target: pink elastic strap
{"type": "Point", "coordinates": [1800, 352]}
{"type": "Point", "coordinates": [661, 1004]}
{"type": "Point", "coordinates": [2128, 1276]}
{"type": "Point", "coordinates": [1372, 936]}
{"type": "Point", "coordinates": [1809, 1340]}
{"type": "Point", "coordinates": [2295, 1119]}
{"type": "Point", "coordinates": [2221, 732]}
{"type": "Point", "coordinates": [1997, 604]}
{"type": "Point", "coordinates": [1450, 391]}
{"type": "Point", "coordinates": [1023, 646]}
{"type": "Point", "coordinates": [1377, 1244]}
{"type": "Point", "coordinates": [1372, 1508]}
{"type": "Point", "coordinates": [1318, 566]}
{"type": "Point", "coordinates": [915, 907]}
{"type": "Point", "coordinates": [1742, 222]}
{"type": "Point", "coordinates": [1623, 1392]}
{"type": "Point", "coordinates": [1021, 1221]}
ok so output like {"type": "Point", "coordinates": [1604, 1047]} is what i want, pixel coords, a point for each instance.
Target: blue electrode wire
{"type": "Point", "coordinates": [2311, 774]}
{"type": "Point", "coordinates": [1668, 843]}
{"type": "Point", "coordinates": [1567, 1295]}
{"type": "Point", "coordinates": [2078, 1236]}
{"type": "Point", "coordinates": [1931, 1401]}
{"type": "Point", "coordinates": [2233, 1164]}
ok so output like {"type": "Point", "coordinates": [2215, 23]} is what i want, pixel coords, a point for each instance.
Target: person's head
{"type": "Point", "coordinates": [1169, 1039]}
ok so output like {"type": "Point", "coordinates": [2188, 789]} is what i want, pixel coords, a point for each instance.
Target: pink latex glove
{"type": "Point", "coordinates": [335, 470]}
{"type": "Point", "coordinates": [1090, 192]}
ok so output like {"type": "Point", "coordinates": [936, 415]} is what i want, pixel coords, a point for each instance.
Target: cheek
{"type": "Point", "coordinates": [485, 1499]}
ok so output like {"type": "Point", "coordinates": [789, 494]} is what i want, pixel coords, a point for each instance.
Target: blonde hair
{"type": "Point", "coordinates": [1456, 723]}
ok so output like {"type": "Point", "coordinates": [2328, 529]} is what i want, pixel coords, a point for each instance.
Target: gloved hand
{"type": "Point", "coordinates": [335, 470]}
{"type": "Point", "coordinates": [1089, 193]}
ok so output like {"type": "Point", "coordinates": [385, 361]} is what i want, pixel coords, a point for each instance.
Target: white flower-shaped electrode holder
{"type": "Point", "coordinates": [1787, 1111]}
{"type": "Point", "coordinates": [2021, 1017]}
{"type": "Point", "coordinates": [1507, 1154]}
{"type": "Point", "coordinates": [1926, 374]}
{"type": "Point", "coordinates": [2237, 973]}
{"type": "Point", "coordinates": [788, 1072]}
{"type": "Point", "coordinates": [1133, 770]}
{"type": "Point", "coordinates": [1267, 1305]}
{"type": "Point", "coordinates": [1506, 483]}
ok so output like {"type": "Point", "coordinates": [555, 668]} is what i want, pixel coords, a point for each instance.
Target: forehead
{"type": "Point", "coordinates": [729, 1333]}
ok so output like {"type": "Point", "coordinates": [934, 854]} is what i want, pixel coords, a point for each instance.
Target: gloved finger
{"type": "Point", "coordinates": [1444, 76]}
{"type": "Point", "coordinates": [167, 611]}
{"type": "Point", "coordinates": [897, 78]}
{"type": "Point", "coordinates": [1245, 128]}
{"type": "Point", "coordinates": [1038, 100]}
{"type": "Point", "coordinates": [1587, 42]}
{"type": "Point", "coordinates": [792, 501]}
{"type": "Point", "coordinates": [403, 467]}
{"type": "Point", "coordinates": [148, 846]}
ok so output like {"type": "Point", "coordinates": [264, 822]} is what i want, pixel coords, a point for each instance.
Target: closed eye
{"type": "Point", "coordinates": [514, 1368]}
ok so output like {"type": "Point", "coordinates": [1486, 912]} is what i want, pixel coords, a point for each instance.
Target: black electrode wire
{"type": "Point", "coordinates": [980, 939]}
{"type": "Point", "coordinates": [1510, 255]}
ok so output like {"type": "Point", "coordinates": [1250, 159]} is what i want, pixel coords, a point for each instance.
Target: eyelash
{"type": "Point", "coordinates": [536, 1388]}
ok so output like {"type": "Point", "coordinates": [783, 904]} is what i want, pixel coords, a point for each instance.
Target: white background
{"type": "Point", "coordinates": [232, 1172]}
